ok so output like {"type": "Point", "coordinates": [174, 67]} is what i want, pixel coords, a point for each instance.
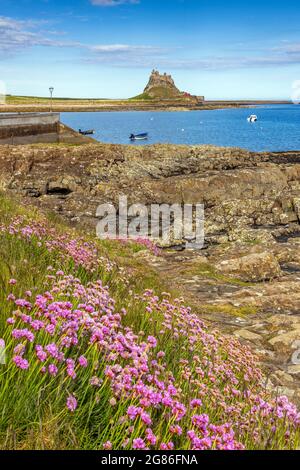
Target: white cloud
{"type": "Point", "coordinates": [112, 3]}
{"type": "Point", "coordinates": [288, 48]}
{"type": "Point", "coordinates": [16, 35]}
{"type": "Point", "coordinates": [149, 57]}
{"type": "Point", "coordinates": [125, 55]}
{"type": "Point", "coordinates": [112, 48]}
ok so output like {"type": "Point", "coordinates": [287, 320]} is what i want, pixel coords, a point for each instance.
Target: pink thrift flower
{"type": "Point", "coordinates": [50, 329]}
{"type": "Point", "coordinates": [21, 363]}
{"type": "Point", "coordinates": [71, 373]}
{"type": "Point", "coordinates": [151, 438]}
{"type": "Point", "coordinates": [107, 445]}
{"type": "Point", "coordinates": [19, 334]}
{"type": "Point", "coordinates": [179, 410]}
{"type": "Point", "coordinates": [195, 403]}
{"type": "Point", "coordinates": [19, 350]}
{"type": "Point", "coordinates": [163, 446]}
{"type": "Point", "coordinates": [139, 444]}
{"type": "Point", "coordinates": [41, 355]}
{"type": "Point", "coordinates": [53, 370]}
{"type": "Point", "coordinates": [160, 354]}
{"type": "Point", "coordinates": [71, 403]}
{"type": "Point", "coordinates": [200, 421]}
{"type": "Point", "coordinates": [133, 412]}
{"type": "Point", "coordinates": [176, 430]}
{"type": "Point", "coordinates": [95, 381]}
{"type": "Point", "coordinates": [83, 361]}
{"type": "Point", "coordinates": [152, 341]}
{"type": "Point", "coordinates": [113, 401]}
{"type": "Point", "coordinates": [146, 418]}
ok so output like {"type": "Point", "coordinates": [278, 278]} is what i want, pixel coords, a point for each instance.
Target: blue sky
{"type": "Point", "coordinates": [107, 48]}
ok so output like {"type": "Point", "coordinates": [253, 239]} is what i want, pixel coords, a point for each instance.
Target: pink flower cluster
{"type": "Point", "coordinates": [83, 253]}
{"type": "Point", "coordinates": [150, 245]}
{"type": "Point", "coordinates": [177, 385]}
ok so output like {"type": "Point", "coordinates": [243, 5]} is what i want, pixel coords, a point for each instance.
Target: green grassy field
{"type": "Point", "coordinates": [43, 101]}
{"type": "Point", "coordinates": [15, 100]}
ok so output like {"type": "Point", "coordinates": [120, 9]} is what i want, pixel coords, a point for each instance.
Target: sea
{"type": "Point", "coordinates": [277, 128]}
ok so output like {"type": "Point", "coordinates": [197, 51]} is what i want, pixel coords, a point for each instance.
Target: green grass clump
{"type": "Point", "coordinates": [141, 97]}
{"type": "Point", "coordinates": [208, 271]}
{"type": "Point", "coordinates": [231, 310]}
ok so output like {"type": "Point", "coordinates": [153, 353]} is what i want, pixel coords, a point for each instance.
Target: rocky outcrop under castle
{"type": "Point", "coordinates": [162, 87]}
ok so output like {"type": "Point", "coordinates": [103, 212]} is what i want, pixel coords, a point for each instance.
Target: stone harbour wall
{"type": "Point", "coordinates": [24, 128]}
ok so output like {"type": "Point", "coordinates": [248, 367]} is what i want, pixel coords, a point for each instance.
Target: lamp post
{"type": "Point", "coordinates": [51, 89]}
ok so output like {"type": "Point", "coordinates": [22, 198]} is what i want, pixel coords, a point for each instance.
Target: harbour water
{"type": "Point", "coordinates": [277, 128]}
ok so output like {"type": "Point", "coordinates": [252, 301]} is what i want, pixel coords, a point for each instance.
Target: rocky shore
{"type": "Point", "coordinates": [246, 280]}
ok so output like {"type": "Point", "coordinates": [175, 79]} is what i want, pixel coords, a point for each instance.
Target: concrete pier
{"type": "Point", "coordinates": [27, 128]}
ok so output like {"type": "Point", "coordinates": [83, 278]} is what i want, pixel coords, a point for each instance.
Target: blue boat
{"type": "Point", "coordinates": [88, 132]}
{"type": "Point", "coordinates": [139, 136]}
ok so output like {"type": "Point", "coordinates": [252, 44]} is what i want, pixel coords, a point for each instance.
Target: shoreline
{"type": "Point", "coordinates": [133, 106]}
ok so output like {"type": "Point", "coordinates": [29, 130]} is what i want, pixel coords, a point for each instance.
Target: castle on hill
{"type": "Point", "coordinates": [162, 86]}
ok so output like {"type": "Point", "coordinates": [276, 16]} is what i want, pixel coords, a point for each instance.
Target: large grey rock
{"type": "Point", "coordinates": [253, 268]}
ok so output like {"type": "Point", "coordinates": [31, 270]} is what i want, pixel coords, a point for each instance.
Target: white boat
{"type": "Point", "coordinates": [252, 118]}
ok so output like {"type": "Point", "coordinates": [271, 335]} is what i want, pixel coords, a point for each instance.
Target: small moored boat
{"type": "Point", "coordinates": [139, 136]}
{"type": "Point", "coordinates": [252, 118]}
{"type": "Point", "coordinates": [88, 132]}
